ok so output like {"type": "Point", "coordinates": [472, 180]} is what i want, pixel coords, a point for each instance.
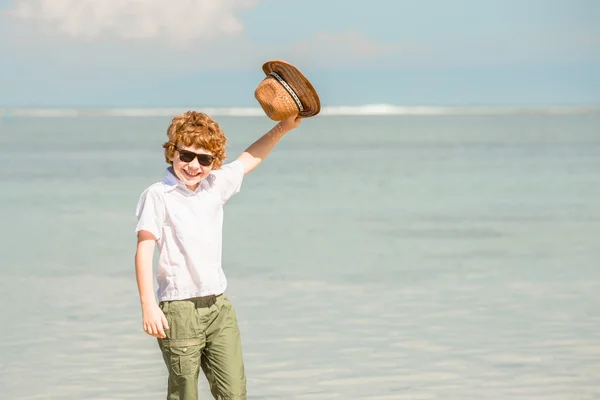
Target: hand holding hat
{"type": "Point", "coordinates": [285, 92]}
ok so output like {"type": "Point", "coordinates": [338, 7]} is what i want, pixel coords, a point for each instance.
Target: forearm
{"type": "Point", "coordinates": [153, 319]}
{"type": "Point", "coordinates": [259, 150]}
{"type": "Point", "coordinates": [143, 272]}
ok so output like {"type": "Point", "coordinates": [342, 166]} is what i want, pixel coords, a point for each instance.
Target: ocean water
{"type": "Point", "coordinates": [389, 257]}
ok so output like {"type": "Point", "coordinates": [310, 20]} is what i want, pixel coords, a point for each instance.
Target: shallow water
{"type": "Point", "coordinates": [368, 258]}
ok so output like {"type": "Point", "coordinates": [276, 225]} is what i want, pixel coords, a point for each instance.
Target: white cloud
{"type": "Point", "coordinates": [179, 21]}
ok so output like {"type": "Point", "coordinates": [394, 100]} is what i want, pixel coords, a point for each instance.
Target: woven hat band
{"type": "Point", "coordinates": [289, 89]}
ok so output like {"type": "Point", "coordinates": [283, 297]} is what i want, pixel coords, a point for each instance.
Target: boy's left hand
{"type": "Point", "coordinates": [291, 122]}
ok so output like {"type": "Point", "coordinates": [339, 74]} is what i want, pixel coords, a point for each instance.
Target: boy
{"type": "Point", "coordinates": [194, 322]}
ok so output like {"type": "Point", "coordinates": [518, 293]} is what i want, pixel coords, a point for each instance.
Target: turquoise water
{"type": "Point", "coordinates": [368, 258]}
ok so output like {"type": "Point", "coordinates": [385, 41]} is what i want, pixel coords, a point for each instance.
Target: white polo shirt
{"type": "Point", "coordinates": [188, 226]}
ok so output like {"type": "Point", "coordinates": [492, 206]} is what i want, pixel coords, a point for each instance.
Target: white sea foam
{"type": "Point", "coordinates": [363, 110]}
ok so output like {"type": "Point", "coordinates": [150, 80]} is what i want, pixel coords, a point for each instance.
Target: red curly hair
{"type": "Point", "coordinates": [196, 129]}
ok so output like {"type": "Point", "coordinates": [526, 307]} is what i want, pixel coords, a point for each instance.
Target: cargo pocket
{"type": "Point", "coordinates": [184, 355]}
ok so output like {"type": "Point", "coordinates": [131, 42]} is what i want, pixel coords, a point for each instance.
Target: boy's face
{"type": "Point", "coordinates": [191, 171]}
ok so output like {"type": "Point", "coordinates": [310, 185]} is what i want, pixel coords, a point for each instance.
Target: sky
{"type": "Point", "coordinates": [208, 53]}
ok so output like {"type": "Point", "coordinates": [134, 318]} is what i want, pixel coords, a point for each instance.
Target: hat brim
{"type": "Point", "coordinates": [301, 85]}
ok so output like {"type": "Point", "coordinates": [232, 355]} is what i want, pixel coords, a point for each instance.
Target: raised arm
{"type": "Point", "coordinates": [259, 150]}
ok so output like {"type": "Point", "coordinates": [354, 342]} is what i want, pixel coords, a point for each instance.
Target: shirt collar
{"type": "Point", "coordinates": [171, 181]}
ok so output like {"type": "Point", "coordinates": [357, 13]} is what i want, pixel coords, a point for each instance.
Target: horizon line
{"type": "Point", "coordinates": [362, 110]}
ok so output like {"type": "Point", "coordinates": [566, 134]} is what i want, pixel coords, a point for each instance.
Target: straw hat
{"type": "Point", "coordinates": [285, 92]}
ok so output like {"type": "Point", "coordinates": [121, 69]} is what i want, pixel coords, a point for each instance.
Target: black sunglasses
{"type": "Point", "coordinates": [188, 156]}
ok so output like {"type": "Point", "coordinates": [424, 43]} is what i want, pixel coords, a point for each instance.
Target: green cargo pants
{"type": "Point", "coordinates": [203, 332]}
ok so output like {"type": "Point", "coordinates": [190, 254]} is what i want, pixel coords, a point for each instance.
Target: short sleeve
{"type": "Point", "coordinates": [150, 212]}
{"type": "Point", "coordinates": [228, 179]}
